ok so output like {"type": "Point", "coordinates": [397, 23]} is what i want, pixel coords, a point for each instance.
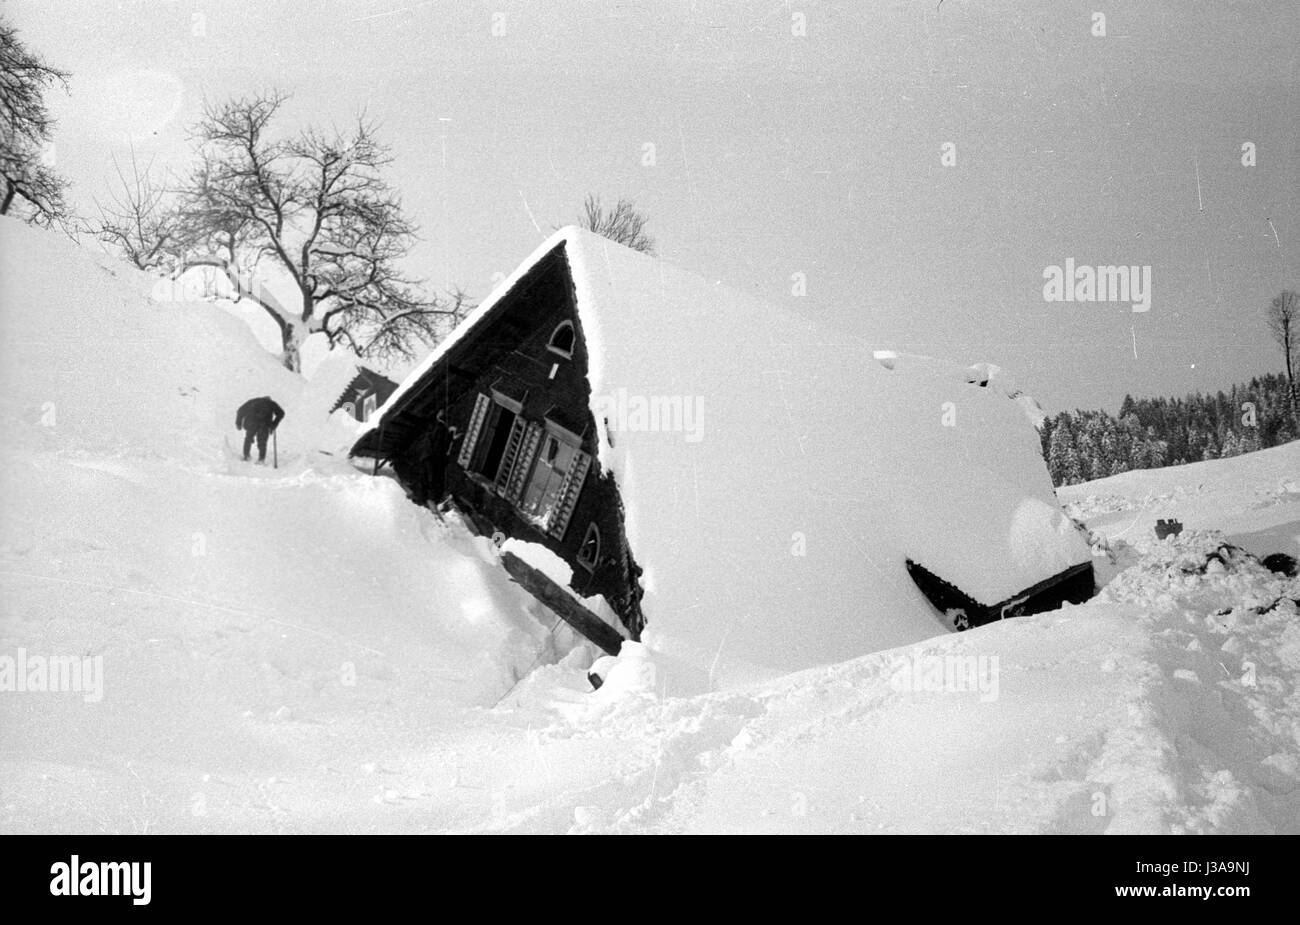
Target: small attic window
{"type": "Point", "coordinates": [562, 340]}
{"type": "Point", "coordinates": [589, 552]}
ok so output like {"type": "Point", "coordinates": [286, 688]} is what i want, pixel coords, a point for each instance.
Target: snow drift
{"type": "Point", "coordinates": [776, 477]}
{"type": "Point", "coordinates": [224, 598]}
{"type": "Point", "coordinates": [264, 673]}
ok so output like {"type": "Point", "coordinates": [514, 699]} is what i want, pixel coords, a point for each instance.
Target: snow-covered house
{"type": "Point", "coordinates": [730, 482]}
{"type": "Point", "coordinates": [364, 394]}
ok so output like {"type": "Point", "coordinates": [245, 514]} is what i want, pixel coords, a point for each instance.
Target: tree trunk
{"type": "Point", "coordinates": [1290, 374]}
{"type": "Point", "coordinates": [294, 331]}
{"type": "Point", "coordinates": [291, 338]}
{"type": "Point", "coordinates": [9, 197]}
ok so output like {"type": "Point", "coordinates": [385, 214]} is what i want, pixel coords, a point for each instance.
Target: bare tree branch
{"type": "Point", "coordinates": [25, 131]}
{"type": "Point", "coordinates": [623, 224]}
{"type": "Point", "coordinates": [141, 220]}
{"type": "Point", "coordinates": [243, 285]}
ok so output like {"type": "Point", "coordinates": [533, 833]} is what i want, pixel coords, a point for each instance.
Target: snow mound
{"type": "Point", "coordinates": [1252, 499]}
{"type": "Point", "coordinates": [92, 361]}
{"type": "Point", "coordinates": [262, 672]}
{"type": "Point", "coordinates": [1164, 706]}
{"type": "Point", "coordinates": [777, 477]}
{"type": "Point", "coordinates": [990, 375]}
{"type": "Point", "coordinates": [813, 472]}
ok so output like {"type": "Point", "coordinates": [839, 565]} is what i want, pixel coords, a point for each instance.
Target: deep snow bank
{"type": "Point", "coordinates": [1167, 705]}
{"type": "Point", "coordinates": [263, 673]}
{"type": "Point", "coordinates": [92, 362]}
{"type": "Point", "coordinates": [1254, 500]}
{"type": "Point", "coordinates": [248, 621]}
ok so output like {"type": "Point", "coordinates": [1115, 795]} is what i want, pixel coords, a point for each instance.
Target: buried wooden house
{"type": "Point", "coordinates": [739, 487]}
{"type": "Point", "coordinates": [362, 396]}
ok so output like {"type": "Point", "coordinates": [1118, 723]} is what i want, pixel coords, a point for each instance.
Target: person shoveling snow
{"type": "Point", "coordinates": [258, 418]}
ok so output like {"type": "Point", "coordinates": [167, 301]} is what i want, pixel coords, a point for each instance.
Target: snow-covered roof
{"type": "Point", "coordinates": [797, 473]}
{"type": "Point", "coordinates": [332, 376]}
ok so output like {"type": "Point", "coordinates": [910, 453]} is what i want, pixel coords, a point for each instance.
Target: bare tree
{"type": "Point", "coordinates": [402, 331]}
{"type": "Point", "coordinates": [25, 130]}
{"type": "Point", "coordinates": [141, 220]}
{"type": "Point", "coordinates": [1283, 319]}
{"type": "Point", "coordinates": [316, 207]}
{"type": "Point", "coordinates": [623, 224]}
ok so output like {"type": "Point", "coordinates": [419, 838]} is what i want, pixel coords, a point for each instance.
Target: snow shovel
{"type": "Point", "coordinates": [275, 449]}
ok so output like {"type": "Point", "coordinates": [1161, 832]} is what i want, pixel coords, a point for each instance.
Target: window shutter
{"type": "Point", "coordinates": [569, 493]}
{"type": "Point", "coordinates": [524, 461]}
{"type": "Point", "coordinates": [509, 456]}
{"type": "Point", "coordinates": [481, 404]}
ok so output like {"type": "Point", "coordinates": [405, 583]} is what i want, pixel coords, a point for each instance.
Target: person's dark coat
{"type": "Point", "coordinates": [257, 417]}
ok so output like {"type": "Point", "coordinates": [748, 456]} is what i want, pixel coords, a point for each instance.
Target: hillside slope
{"type": "Point", "coordinates": [248, 618]}
{"type": "Point", "coordinates": [1254, 500]}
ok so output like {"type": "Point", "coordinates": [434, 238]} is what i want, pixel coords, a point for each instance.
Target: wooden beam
{"type": "Point", "coordinates": [998, 611]}
{"type": "Point", "coordinates": [562, 603]}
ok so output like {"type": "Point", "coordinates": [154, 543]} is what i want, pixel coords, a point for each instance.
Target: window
{"type": "Point", "coordinates": [562, 339]}
{"type": "Point", "coordinates": [543, 490]}
{"type": "Point", "coordinates": [500, 424]}
{"type": "Point", "coordinates": [554, 484]}
{"type": "Point", "coordinates": [589, 552]}
{"type": "Point", "coordinates": [537, 466]}
{"type": "Point", "coordinates": [488, 437]}
{"type": "Point", "coordinates": [368, 405]}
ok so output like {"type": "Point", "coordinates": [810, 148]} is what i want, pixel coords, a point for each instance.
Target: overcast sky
{"type": "Point", "coordinates": [776, 153]}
